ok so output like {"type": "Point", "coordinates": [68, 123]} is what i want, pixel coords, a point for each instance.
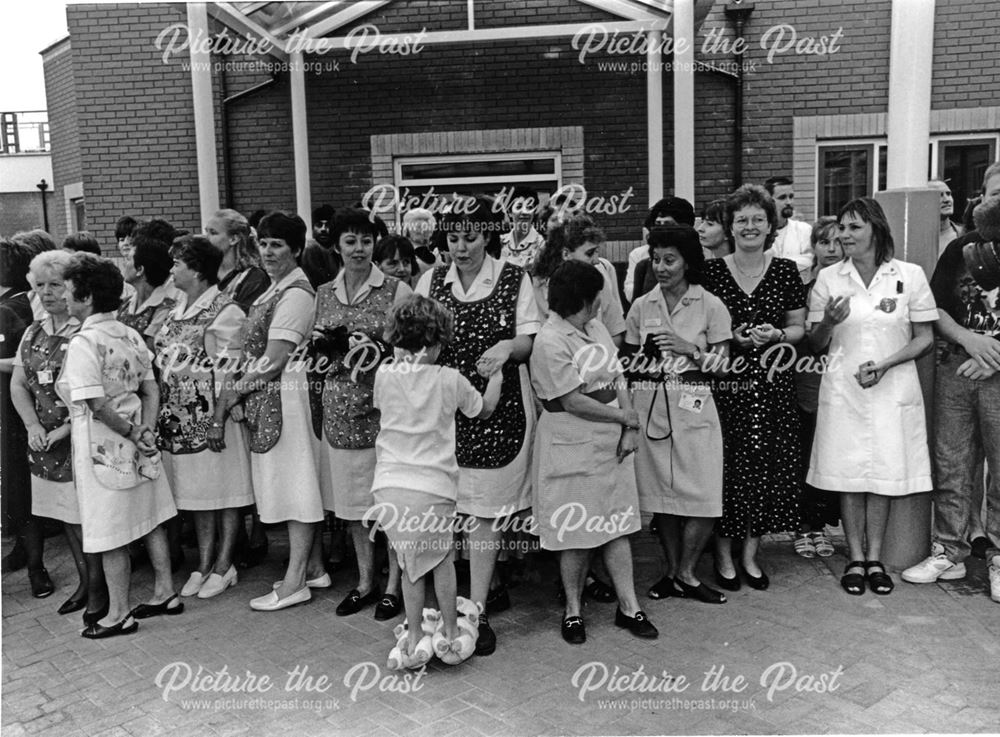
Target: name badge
{"type": "Point", "coordinates": [44, 377]}
{"type": "Point", "coordinates": [652, 322]}
{"type": "Point", "coordinates": [887, 305]}
{"type": "Point", "coordinates": [692, 402]}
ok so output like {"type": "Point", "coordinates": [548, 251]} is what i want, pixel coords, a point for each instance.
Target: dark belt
{"type": "Point", "coordinates": [604, 396]}
{"type": "Point", "coordinates": [694, 377]}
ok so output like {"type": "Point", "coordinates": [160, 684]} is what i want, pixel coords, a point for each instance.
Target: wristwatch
{"type": "Point", "coordinates": [782, 336]}
{"type": "Point", "coordinates": [696, 354]}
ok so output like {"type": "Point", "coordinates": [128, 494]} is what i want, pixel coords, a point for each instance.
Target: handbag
{"type": "Point", "coordinates": [116, 460]}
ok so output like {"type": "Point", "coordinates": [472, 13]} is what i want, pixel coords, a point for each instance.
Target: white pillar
{"type": "Point", "coordinates": [683, 74]}
{"type": "Point", "coordinates": [300, 139]}
{"type": "Point", "coordinates": [204, 114]}
{"type": "Point", "coordinates": [910, 57]}
{"type": "Point", "coordinates": [654, 115]}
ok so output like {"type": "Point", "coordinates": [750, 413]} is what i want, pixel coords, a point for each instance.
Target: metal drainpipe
{"type": "Point", "coordinates": [224, 124]}
{"type": "Point", "coordinates": [739, 13]}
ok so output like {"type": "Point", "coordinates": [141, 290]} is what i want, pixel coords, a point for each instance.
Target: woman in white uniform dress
{"type": "Point", "coordinates": [876, 315]}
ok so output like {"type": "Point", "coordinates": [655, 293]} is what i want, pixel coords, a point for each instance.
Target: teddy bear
{"type": "Point", "coordinates": [453, 652]}
{"type": "Point", "coordinates": [400, 656]}
{"type": "Point", "coordinates": [982, 257]}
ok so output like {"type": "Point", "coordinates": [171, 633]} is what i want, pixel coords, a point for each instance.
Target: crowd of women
{"type": "Point", "coordinates": [211, 374]}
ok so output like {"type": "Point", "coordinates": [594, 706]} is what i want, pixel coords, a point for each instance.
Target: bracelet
{"type": "Point", "coordinates": [216, 425]}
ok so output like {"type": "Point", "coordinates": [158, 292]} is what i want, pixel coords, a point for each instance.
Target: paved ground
{"type": "Point", "coordinates": [926, 659]}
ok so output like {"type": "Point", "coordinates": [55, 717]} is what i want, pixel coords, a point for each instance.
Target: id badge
{"type": "Point", "coordinates": [44, 377]}
{"type": "Point", "coordinates": [692, 402]}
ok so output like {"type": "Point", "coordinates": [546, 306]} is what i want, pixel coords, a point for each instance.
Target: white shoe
{"type": "Point", "coordinates": [271, 602]}
{"type": "Point", "coordinates": [194, 584]}
{"type": "Point", "coordinates": [216, 584]}
{"type": "Point", "coordinates": [934, 568]}
{"type": "Point", "coordinates": [320, 582]}
{"type": "Point", "coordinates": [994, 570]}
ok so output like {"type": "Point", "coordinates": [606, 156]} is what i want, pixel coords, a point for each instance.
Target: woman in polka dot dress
{"type": "Point", "coordinates": [766, 299]}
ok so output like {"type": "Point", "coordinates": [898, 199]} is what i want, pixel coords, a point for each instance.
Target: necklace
{"type": "Point", "coordinates": [763, 268]}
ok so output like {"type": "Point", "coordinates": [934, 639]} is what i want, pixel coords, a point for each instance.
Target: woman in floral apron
{"type": "Point", "coordinates": [192, 347]}
{"type": "Point", "coordinates": [38, 362]}
{"type": "Point", "coordinates": [107, 383]}
{"type": "Point", "coordinates": [273, 394]}
{"type": "Point", "coordinates": [351, 314]}
{"type": "Point", "coordinates": [496, 318]}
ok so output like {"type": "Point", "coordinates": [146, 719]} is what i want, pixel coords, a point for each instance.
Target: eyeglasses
{"type": "Point", "coordinates": [755, 220]}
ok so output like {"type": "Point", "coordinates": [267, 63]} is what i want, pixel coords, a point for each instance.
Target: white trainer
{"type": "Point", "coordinates": [934, 568]}
{"type": "Point", "coordinates": [995, 578]}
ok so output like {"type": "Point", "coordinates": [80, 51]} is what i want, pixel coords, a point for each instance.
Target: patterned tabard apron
{"type": "Point", "coordinates": [43, 356]}
{"type": "Point", "coordinates": [263, 407]}
{"type": "Point", "coordinates": [187, 387]}
{"type": "Point", "coordinates": [479, 325]}
{"type": "Point", "coordinates": [139, 321]}
{"type": "Point", "coordinates": [349, 419]}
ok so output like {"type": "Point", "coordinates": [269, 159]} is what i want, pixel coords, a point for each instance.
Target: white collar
{"type": "Point", "coordinates": [374, 280]}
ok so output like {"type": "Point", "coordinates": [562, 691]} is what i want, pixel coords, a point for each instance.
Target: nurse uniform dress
{"type": "Point", "coordinates": [679, 459]}
{"type": "Point", "coordinates": [284, 452]}
{"type": "Point", "coordinates": [40, 356]}
{"type": "Point", "coordinates": [108, 359]}
{"type": "Point", "coordinates": [350, 421]}
{"type": "Point", "coordinates": [872, 440]}
{"type": "Point", "coordinates": [582, 495]}
{"type": "Point", "coordinates": [192, 339]}
{"type": "Point", "coordinates": [493, 454]}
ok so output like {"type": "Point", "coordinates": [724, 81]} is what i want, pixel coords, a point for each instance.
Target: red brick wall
{"type": "Point", "coordinates": [60, 95]}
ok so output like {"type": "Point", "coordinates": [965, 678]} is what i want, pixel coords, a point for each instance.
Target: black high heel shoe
{"type": "Point", "coordinates": [72, 605]}
{"type": "Point", "coordinates": [760, 583]}
{"type": "Point", "coordinates": [729, 584]}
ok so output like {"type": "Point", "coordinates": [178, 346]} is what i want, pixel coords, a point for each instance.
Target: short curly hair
{"type": "Point", "coordinates": [199, 255]}
{"type": "Point", "coordinates": [419, 322]}
{"type": "Point", "coordinates": [96, 277]}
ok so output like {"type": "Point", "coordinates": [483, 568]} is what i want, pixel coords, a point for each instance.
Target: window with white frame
{"type": "Point", "coordinates": [426, 181]}
{"type": "Point", "coordinates": [849, 168]}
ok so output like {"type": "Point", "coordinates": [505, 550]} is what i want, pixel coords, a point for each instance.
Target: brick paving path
{"type": "Point", "coordinates": [925, 659]}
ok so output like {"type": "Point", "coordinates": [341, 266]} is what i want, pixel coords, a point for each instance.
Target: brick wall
{"type": "Point", "coordinates": [60, 95]}
{"type": "Point", "coordinates": [136, 123]}
{"type": "Point", "coordinates": [966, 54]}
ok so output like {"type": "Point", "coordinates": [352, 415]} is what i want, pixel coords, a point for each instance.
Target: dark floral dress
{"type": "Point", "coordinates": [757, 406]}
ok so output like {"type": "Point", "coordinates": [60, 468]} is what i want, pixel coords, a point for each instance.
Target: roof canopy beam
{"type": "Point", "coordinates": [499, 34]}
{"type": "Point", "coordinates": [238, 22]}
{"type": "Point", "coordinates": [347, 15]}
{"type": "Point", "coordinates": [296, 21]}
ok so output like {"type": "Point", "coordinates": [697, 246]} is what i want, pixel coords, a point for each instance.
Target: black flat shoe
{"type": "Point", "coordinates": [90, 618]}
{"type": "Point", "coordinates": [73, 605]}
{"type": "Point", "coordinates": [145, 611]}
{"type": "Point", "coordinates": [760, 582]}
{"type": "Point", "coordinates": [599, 591]}
{"type": "Point", "coordinates": [573, 631]}
{"type": "Point", "coordinates": [354, 602]}
{"type": "Point", "coordinates": [41, 584]}
{"type": "Point", "coordinates": [498, 600]}
{"type": "Point", "coordinates": [97, 631]}
{"type": "Point", "coordinates": [878, 581]}
{"type": "Point", "coordinates": [639, 625]}
{"type": "Point", "coordinates": [387, 607]}
{"type": "Point", "coordinates": [701, 592]}
{"type": "Point", "coordinates": [729, 584]}
{"type": "Point", "coordinates": [663, 589]}
{"type": "Point", "coordinates": [487, 642]}
{"type": "Point", "coordinates": [853, 583]}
